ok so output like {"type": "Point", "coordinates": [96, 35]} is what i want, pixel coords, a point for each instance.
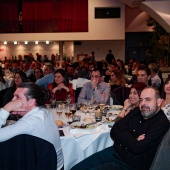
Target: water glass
{"type": "Point", "coordinates": [73, 108]}
{"type": "Point", "coordinates": [59, 110]}
{"type": "Point", "coordinates": [98, 116]}
{"type": "Point", "coordinates": [76, 118]}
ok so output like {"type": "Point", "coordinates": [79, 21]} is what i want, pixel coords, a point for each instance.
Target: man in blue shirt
{"type": "Point", "coordinates": [48, 78]}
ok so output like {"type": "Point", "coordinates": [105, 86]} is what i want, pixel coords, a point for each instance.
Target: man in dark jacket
{"type": "Point", "coordinates": [136, 137]}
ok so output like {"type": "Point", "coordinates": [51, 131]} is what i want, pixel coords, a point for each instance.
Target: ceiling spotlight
{"type": "Point", "coordinates": [5, 42]}
{"type": "Point", "coordinates": [15, 42]}
{"type": "Point", "coordinates": [36, 42]}
{"type": "Point", "coordinates": [47, 42]}
{"type": "Point", "coordinates": [26, 42]}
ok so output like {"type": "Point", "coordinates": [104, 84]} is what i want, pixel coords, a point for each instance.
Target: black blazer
{"type": "Point", "coordinates": [26, 152]}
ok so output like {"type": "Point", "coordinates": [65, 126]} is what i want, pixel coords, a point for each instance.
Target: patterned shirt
{"type": "Point", "coordinates": [87, 93]}
{"type": "Point", "coordinates": [166, 110]}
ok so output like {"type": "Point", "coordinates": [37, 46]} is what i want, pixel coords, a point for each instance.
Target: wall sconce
{"type": "Point", "coordinates": [47, 42]}
{"type": "Point", "coordinates": [15, 42]}
{"type": "Point", "coordinates": [5, 42]}
{"type": "Point", "coordinates": [26, 42]}
{"type": "Point", "coordinates": [36, 42]}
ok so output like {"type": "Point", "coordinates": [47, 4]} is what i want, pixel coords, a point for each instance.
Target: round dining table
{"type": "Point", "coordinates": [77, 146]}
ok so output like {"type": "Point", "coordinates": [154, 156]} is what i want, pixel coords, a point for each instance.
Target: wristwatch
{"type": "Point", "coordinates": [95, 89]}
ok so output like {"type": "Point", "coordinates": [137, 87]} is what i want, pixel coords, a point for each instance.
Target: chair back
{"type": "Point", "coordinates": [115, 101]}
{"type": "Point", "coordinates": [122, 93]}
{"type": "Point", "coordinates": [161, 160]}
{"type": "Point", "coordinates": [77, 92]}
{"type": "Point", "coordinates": [2, 93]}
{"type": "Point", "coordinates": [26, 152]}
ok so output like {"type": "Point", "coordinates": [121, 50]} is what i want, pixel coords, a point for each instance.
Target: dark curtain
{"type": "Point", "coordinates": [8, 16]}
{"type": "Point", "coordinates": [32, 16]}
{"type": "Point", "coordinates": [55, 15]}
{"type": "Point", "coordinates": [71, 15]}
{"type": "Point", "coordinates": [37, 16]}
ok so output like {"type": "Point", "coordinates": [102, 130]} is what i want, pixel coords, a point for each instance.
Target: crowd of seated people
{"type": "Point", "coordinates": [97, 79]}
{"type": "Point", "coordinates": [114, 73]}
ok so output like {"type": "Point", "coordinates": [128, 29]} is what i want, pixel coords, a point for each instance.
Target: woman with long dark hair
{"type": "Point", "coordinates": [133, 100]}
{"type": "Point", "coordinates": [19, 78]}
{"type": "Point", "coordinates": [61, 86]}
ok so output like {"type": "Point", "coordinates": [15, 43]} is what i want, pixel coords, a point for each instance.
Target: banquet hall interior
{"type": "Point", "coordinates": [90, 27]}
{"type": "Point", "coordinates": [74, 34]}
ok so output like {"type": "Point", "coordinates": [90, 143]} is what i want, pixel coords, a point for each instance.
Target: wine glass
{"type": "Point", "coordinates": [68, 112]}
{"type": "Point", "coordinates": [53, 100]}
{"type": "Point", "coordinates": [73, 108]}
{"type": "Point", "coordinates": [90, 109]}
{"type": "Point", "coordinates": [85, 111]}
{"type": "Point", "coordinates": [68, 99]}
{"type": "Point", "coordinates": [59, 110]}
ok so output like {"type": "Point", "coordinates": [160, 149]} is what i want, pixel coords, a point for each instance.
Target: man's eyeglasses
{"type": "Point", "coordinates": [95, 76]}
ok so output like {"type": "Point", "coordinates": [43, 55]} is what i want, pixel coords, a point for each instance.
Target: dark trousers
{"type": "Point", "coordinates": [106, 159]}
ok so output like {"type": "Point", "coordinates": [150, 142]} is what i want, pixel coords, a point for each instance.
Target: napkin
{"type": "Point", "coordinates": [84, 139]}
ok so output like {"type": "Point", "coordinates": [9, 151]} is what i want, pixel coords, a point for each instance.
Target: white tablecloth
{"type": "Point", "coordinates": [73, 154]}
{"type": "Point", "coordinates": [72, 151]}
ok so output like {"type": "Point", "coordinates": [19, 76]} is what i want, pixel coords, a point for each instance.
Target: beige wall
{"type": "Point", "coordinates": [22, 49]}
{"type": "Point", "coordinates": [99, 47]}
{"type": "Point", "coordinates": [136, 20]}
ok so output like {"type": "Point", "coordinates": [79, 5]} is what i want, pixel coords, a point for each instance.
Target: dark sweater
{"type": "Point", "coordinates": [139, 154]}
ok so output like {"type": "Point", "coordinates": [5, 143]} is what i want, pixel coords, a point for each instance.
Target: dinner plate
{"type": "Point", "coordinates": [118, 107]}
{"type": "Point", "coordinates": [77, 126]}
{"type": "Point", "coordinates": [108, 106]}
{"type": "Point", "coordinates": [113, 112]}
{"type": "Point", "coordinates": [62, 126]}
{"type": "Point", "coordinates": [109, 121]}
